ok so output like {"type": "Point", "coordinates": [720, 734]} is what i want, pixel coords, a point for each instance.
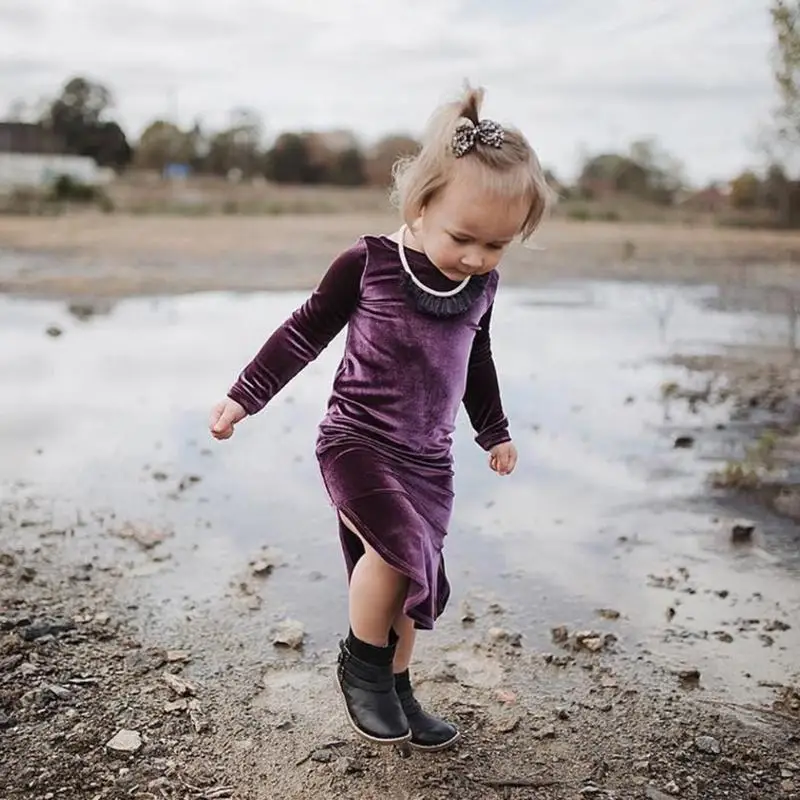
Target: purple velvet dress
{"type": "Point", "coordinates": [384, 445]}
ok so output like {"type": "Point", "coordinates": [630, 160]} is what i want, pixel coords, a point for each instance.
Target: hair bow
{"type": "Point", "coordinates": [468, 134]}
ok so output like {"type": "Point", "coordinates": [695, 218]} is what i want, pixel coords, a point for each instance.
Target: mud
{"type": "Point", "coordinates": [155, 550]}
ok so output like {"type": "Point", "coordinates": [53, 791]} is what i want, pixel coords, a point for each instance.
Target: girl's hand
{"type": "Point", "coordinates": [503, 458]}
{"type": "Point", "coordinates": [224, 416]}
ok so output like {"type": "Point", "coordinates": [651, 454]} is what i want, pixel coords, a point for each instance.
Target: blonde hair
{"type": "Point", "coordinates": [511, 170]}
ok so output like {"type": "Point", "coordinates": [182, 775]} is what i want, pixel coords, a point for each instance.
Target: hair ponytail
{"type": "Point", "coordinates": [513, 168]}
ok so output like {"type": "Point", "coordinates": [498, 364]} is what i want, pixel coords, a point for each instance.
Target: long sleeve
{"type": "Point", "coordinates": [482, 396]}
{"type": "Point", "coordinates": [305, 334]}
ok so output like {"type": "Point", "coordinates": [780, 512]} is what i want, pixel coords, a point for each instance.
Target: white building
{"type": "Point", "coordinates": [32, 157]}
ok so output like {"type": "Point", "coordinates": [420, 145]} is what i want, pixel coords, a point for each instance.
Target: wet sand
{"type": "Point", "coordinates": [170, 553]}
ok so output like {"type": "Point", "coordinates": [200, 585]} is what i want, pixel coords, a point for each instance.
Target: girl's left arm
{"type": "Point", "coordinates": [482, 396]}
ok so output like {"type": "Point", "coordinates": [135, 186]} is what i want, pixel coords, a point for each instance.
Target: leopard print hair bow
{"type": "Point", "coordinates": [467, 135]}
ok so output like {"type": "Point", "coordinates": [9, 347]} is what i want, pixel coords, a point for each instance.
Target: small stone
{"type": "Point", "coordinates": [467, 614]}
{"type": "Point", "coordinates": [708, 744]}
{"type": "Point", "coordinates": [562, 714]}
{"type": "Point", "coordinates": [322, 756]}
{"type": "Point", "coordinates": [498, 635]}
{"type": "Point", "coordinates": [651, 793]}
{"type": "Point", "coordinates": [560, 634]}
{"type": "Point", "coordinates": [547, 732]}
{"type": "Point", "coordinates": [125, 742]}
{"type": "Point", "coordinates": [689, 676]}
{"type": "Point", "coordinates": [608, 613]}
{"type": "Point", "coordinates": [496, 608]}
{"type": "Point", "coordinates": [59, 691]}
{"type": "Point", "coordinates": [742, 532]}
{"type": "Point", "coordinates": [291, 634]}
{"type": "Point", "coordinates": [54, 331]}
{"type": "Point", "coordinates": [176, 706]}
{"type": "Point", "coordinates": [46, 627]}
{"type": "Point", "coordinates": [179, 685]}
{"type": "Point", "coordinates": [672, 788]}
{"type": "Point", "coordinates": [348, 766]}
{"type": "Point", "coordinates": [594, 642]}
{"type": "Point", "coordinates": [178, 656]}
{"type": "Point", "coordinates": [777, 625]}
{"type": "Point", "coordinates": [199, 720]}
{"type": "Point", "coordinates": [507, 723]}
{"type": "Point", "coordinates": [684, 442]}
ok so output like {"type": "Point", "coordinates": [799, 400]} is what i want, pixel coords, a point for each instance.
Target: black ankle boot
{"type": "Point", "coordinates": [427, 732]}
{"type": "Point", "coordinates": [371, 702]}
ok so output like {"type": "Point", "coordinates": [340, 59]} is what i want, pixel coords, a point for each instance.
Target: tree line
{"type": "Point", "coordinates": [81, 116]}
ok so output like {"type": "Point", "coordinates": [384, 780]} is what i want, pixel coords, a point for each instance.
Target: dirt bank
{"type": "Point", "coordinates": [116, 256]}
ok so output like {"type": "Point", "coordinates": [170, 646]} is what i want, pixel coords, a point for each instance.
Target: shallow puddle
{"type": "Point", "coordinates": [103, 431]}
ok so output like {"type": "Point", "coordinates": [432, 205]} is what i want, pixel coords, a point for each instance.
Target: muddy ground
{"type": "Point", "coordinates": [105, 692]}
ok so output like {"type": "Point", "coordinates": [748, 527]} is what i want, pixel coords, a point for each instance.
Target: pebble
{"type": "Point", "coordinates": [651, 793]}
{"type": "Point", "coordinates": [291, 634]}
{"type": "Point", "coordinates": [125, 742]}
{"type": "Point", "coordinates": [179, 685]}
{"type": "Point", "coordinates": [708, 744]}
{"type": "Point", "coordinates": [46, 627]}
{"type": "Point", "coordinates": [497, 635]}
{"type": "Point", "coordinates": [548, 732]}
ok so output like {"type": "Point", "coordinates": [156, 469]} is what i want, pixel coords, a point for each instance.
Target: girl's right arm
{"type": "Point", "coordinates": [297, 342]}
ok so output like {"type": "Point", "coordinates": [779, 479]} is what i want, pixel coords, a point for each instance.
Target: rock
{"type": "Point", "coordinates": [348, 766]}
{"type": "Point", "coordinates": [496, 608]}
{"type": "Point", "coordinates": [501, 635]}
{"type": "Point", "coordinates": [46, 627]}
{"type": "Point", "coordinates": [507, 723]}
{"type": "Point", "coordinates": [145, 536]}
{"type": "Point", "coordinates": [125, 742]}
{"type": "Point", "coordinates": [53, 331]}
{"type": "Point", "coordinates": [684, 442]}
{"type": "Point", "coordinates": [467, 614]}
{"type": "Point", "coordinates": [59, 692]}
{"type": "Point", "coordinates": [180, 686]}
{"type": "Point", "coordinates": [672, 788]}
{"type": "Point", "coordinates": [547, 732]}
{"type": "Point", "coordinates": [291, 634]}
{"type": "Point", "coordinates": [777, 625]}
{"type": "Point", "coordinates": [176, 706]}
{"type": "Point", "coordinates": [651, 793]}
{"type": "Point", "coordinates": [689, 676]}
{"type": "Point", "coordinates": [199, 720]}
{"type": "Point", "coordinates": [322, 756]}
{"type": "Point", "coordinates": [264, 565]}
{"type": "Point", "coordinates": [742, 532]}
{"type": "Point", "coordinates": [562, 713]}
{"type": "Point", "coordinates": [178, 656]}
{"type": "Point", "coordinates": [608, 613]}
{"type": "Point", "coordinates": [560, 634]}
{"type": "Point", "coordinates": [594, 642]}
{"type": "Point", "coordinates": [708, 744]}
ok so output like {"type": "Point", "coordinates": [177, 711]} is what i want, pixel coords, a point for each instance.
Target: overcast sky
{"type": "Point", "coordinates": [574, 75]}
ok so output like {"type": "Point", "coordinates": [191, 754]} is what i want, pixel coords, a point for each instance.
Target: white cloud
{"type": "Point", "coordinates": [569, 73]}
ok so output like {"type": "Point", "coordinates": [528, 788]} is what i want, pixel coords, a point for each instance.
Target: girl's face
{"type": "Point", "coordinates": [465, 229]}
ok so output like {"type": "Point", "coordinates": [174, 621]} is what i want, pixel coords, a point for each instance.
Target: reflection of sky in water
{"type": "Point", "coordinates": [89, 416]}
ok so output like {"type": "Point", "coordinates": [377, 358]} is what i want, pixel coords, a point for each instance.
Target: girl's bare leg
{"type": "Point", "coordinates": [377, 592]}
{"type": "Point", "coordinates": [404, 628]}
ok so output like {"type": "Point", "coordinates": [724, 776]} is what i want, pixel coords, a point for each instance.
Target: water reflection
{"type": "Point", "coordinates": [110, 418]}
